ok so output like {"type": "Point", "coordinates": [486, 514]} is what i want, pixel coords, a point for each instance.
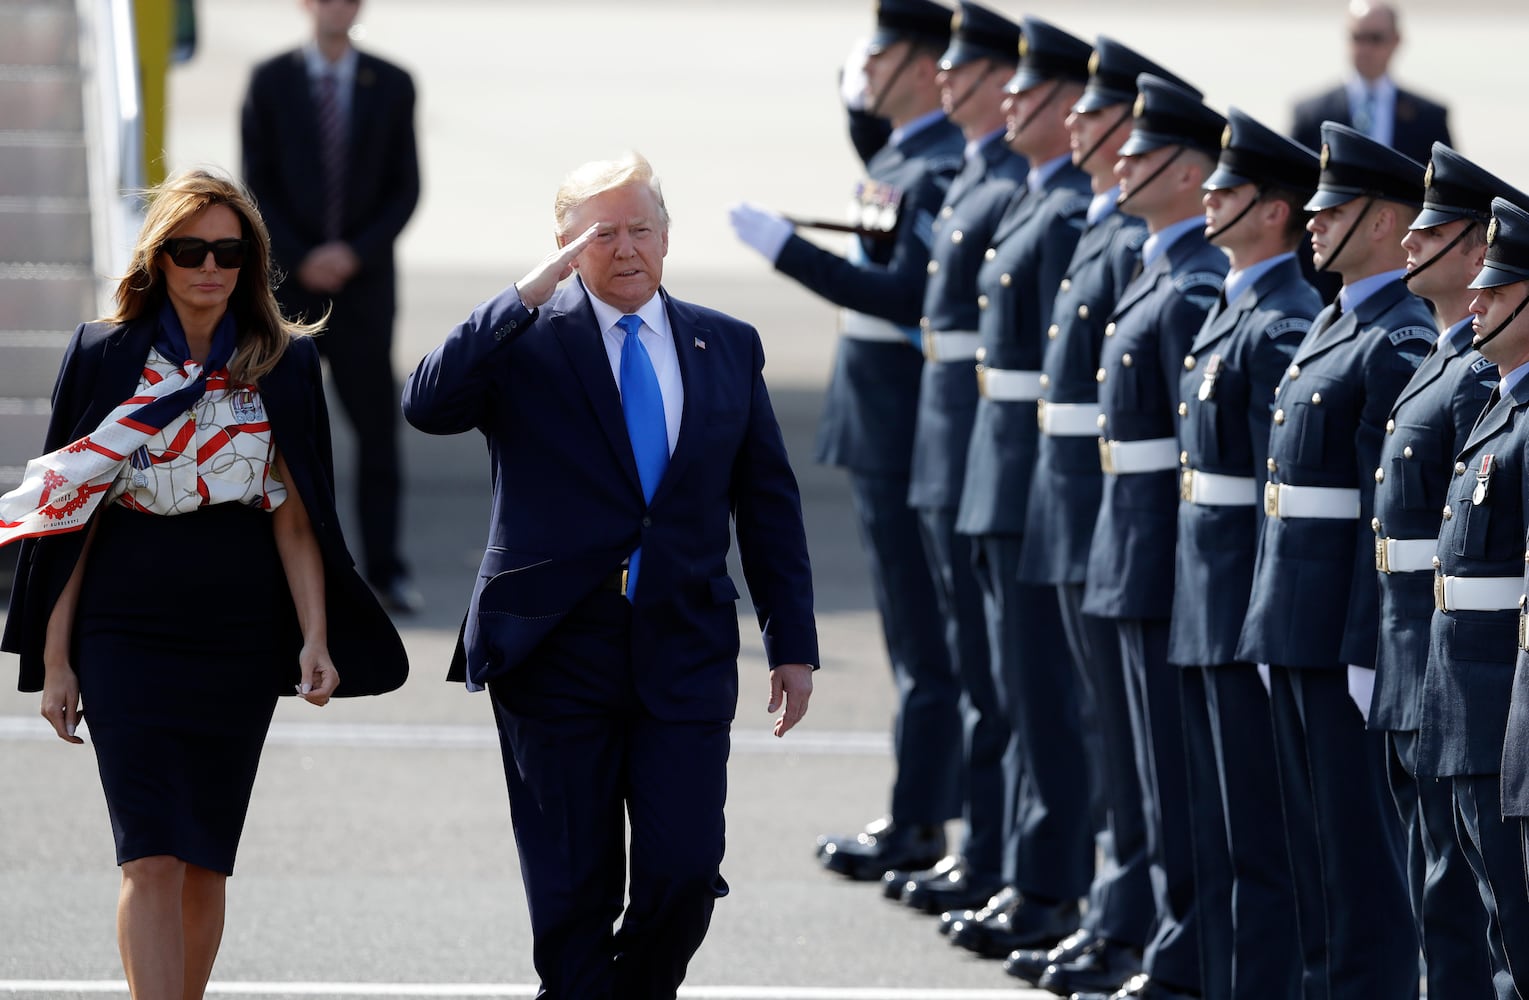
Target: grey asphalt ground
{"type": "Point", "coordinates": [378, 848]}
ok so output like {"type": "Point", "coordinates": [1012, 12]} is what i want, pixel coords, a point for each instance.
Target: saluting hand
{"type": "Point", "coordinates": [791, 682]}
{"type": "Point", "coordinates": [537, 286]}
{"type": "Point", "coordinates": [319, 677]}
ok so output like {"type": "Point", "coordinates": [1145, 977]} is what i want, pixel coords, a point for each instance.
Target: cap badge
{"type": "Point", "coordinates": [1140, 107]}
{"type": "Point", "coordinates": [1492, 232]}
{"type": "Point", "coordinates": [1226, 137]}
{"type": "Point", "coordinates": [1428, 175]}
{"type": "Point", "coordinates": [1327, 155]}
{"type": "Point", "coordinates": [1093, 63]}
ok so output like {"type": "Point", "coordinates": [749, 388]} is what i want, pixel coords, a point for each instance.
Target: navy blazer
{"type": "Point", "coordinates": [1428, 427]}
{"type": "Point", "coordinates": [1241, 353]}
{"type": "Point", "coordinates": [1064, 494]}
{"type": "Point", "coordinates": [1130, 561]}
{"type": "Point", "coordinates": [100, 369]}
{"type": "Point", "coordinates": [1419, 122]}
{"type": "Point", "coordinates": [1315, 602]}
{"type": "Point", "coordinates": [1016, 285]}
{"type": "Point", "coordinates": [947, 401]}
{"type": "Point", "coordinates": [279, 132]}
{"type": "Point", "coordinates": [1463, 708]}
{"type": "Point", "coordinates": [872, 395]}
{"type": "Point", "coordinates": [568, 505]}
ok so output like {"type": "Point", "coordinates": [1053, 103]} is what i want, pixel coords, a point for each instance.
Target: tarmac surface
{"type": "Point", "coordinates": [377, 859]}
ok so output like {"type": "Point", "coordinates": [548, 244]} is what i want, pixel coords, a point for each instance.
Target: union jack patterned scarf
{"type": "Point", "coordinates": [61, 489]}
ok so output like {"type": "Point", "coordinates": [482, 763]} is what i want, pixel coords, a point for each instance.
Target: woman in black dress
{"type": "Point", "coordinates": [183, 564]}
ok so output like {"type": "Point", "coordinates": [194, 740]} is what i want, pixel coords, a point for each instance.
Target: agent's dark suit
{"type": "Point", "coordinates": [1059, 526]}
{"type": "Point", "coordinates": [1428, 426]}
{"type": "Point", "coordinates": [867, 429]}
{"type": "Point", "coordinates": [1048, 853]}
{"type": "Point", "coordinates": [279, 134]}
{"type": "Point", "coordinates": [606, 707]}
{"type": "Point", "coordinates": [100, 369]}
{"type": "Point", "coordinates": [1419, 122]}
{"type": "Point", "coordinates": [1242, 882]}
{"type": "Point", "coordinates": [1130, 567]}
{"type": "Point", "coordinates": [1471, 679]}
{"type": "Point", "coordinates": [1314, 610]}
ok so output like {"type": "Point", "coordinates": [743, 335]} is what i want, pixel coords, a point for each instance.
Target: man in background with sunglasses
{"type": "Point", "coordinates": [329, 153]}
{"type": "Point", "coordinates": [1368, 99]}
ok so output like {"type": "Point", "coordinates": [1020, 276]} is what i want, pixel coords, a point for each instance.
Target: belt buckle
{"type": "Point", "coordinates": [1438, 593]}
{"type": "Point", "coordinates": [982, 381]}
{"type": "Point", "coordinates": [1523, 630]}
{"type": "Point", "coordinates": [1271, 499]}
{"type": "Point", "coordinates": [931, 352]}
{"type": "Point", "coordinates": [624, 571]}
{"type": "Point", "coordinates": [1187, 485]}
{"type": "Point", "coordinates": [1040, 414]}
{"type": "Point", "coordinates": [1106, 457]}
{"type": "Point", "coordinates": [1382, 556]}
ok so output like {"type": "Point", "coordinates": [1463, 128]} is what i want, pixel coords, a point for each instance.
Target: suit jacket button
{"type": "Point", "coordinates": [1390, 426]}
{"type": "Point", "coordinates": [1052, 331]}
{"type": "Point", "coordinates": [1127, 360]}
{"type": "Point", "coordinates": [1183, 409]}
{"type": "Point", "coordinates": [1272, 465]}
{"type": "Point", "coordinates": [1279, 416]}
{"type": "Point", "coordinates": [1380, 475]}
{"type": "Point", "coordinates": [647, 522]}
{"type": "Point", "coordinates": [1045, 381]}
{"type": "Point", "coordinates": [1407, 451]}
{"type": "Point", "coordinates": [1316, 399]}
{"type": "Point", "coordinates": [991, 253]}
{"type": "Point", "coordinates": [934, 267]}
{"type": "Point", "coordinates": [1375, 525]}
{"type": "Point", "coordinates": [1459, 468]}
{"type": "Point", "coordinates": [1189, 362]}
{"type": "Point", "coordinates": [1109, 329]}
{"type": "Point", "coordinates": [1100, 375]}
{"type": "Point", "coordinates": [982, 302]}
{"type": "Point", "coordinates": [1295, 371]}
{"type": "Point", "coordinates": [1066, 284]}
{"type": "Point", "coordinates": [956, 236]}
{"type": "Point", "coordinates": [1448, 513]}
{"type": "Point", "coordinates": [1083, 311]}
{"type": "Point", "coordinates": [1006, 280]}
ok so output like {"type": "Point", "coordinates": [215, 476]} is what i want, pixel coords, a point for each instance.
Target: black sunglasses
{"type": "Point", "coordinates": [189, 251]}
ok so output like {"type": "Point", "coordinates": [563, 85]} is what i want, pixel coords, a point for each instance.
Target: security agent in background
{"type": "Point", "coordinates": [1472, 700]}
{"type": "Point", "coordinates": [1059, 524]}
{"type": "Point", "coordinates": [1255, 211]}
{"type": "Point", "coordinates": [1314, 612]}
{"type": "Point", "coordinates": [1048, 856]}
{"type": "Point", "coordinates": [984, 49]}
{"type": "Point", "coordinates": [1428, 426]}
{"type": "Point", "coordinates": [1172, 150]}
{"type": "Point", "coordinates": [867, 425]}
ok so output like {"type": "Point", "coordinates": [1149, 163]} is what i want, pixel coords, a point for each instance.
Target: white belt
{"type": "Point", "coordinates": [1068, 419]}
{"type": "Point", "coordinates": [951, 345]}
{"type": "Point", "coordinates": [1208, 489]}
{"type": "Point", "coordinates": [1122, 458]}
{"type": "Point", "coordinates": [1008, 386]}
{"type": "Point", "coordinates": [1329, 502]}
{"type": "Point", "coordinates": [1404, 555]}
{"type": "Point", "coordinates": [1477, 593]}
{"type": "Point", "coordinates": [859, 326]}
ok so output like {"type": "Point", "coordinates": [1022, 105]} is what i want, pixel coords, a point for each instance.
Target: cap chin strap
{"type": "Point", "coordinates": [1137, 189]}
{"type": "Point", "coordinates": [1214, 234]}
{"type": "Point", "coordinates": [1478, 341]}
{"type": "Point", "coordinates": [875, 109]}
{"type": "Point", "coordinates": [956, 105]}
{"type": "Point", "coordinates": [1056, 87]}
{"type": "Point", "coordinates": [1327, 264]}
{"type": "Point", "coordinates": [1125, 116]}
{"type": "Point", "coordinates": [1431, 261]}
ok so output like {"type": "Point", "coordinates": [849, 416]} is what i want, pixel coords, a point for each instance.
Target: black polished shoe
{"type": "Point", "coordinates": [1024, 923]}
{"type": "Point", "coordinates": [1140, 987]}
{"type": "Point", "coordinates": [875, 828]}
{"type": "Point", "coordinates": [1102, 967]}
{"type": "Point", "coordinates": [1029, 964]}
{"type": "Point", "coordinates": [869, 855]}
{"type": "Point", "coordinates": [893, 882]}
{"type": "Point", "coordinates": [955, 890]}
{"type": "Point", "coordinates": [955, 921]}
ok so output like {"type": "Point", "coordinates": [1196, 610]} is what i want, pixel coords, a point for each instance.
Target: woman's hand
{"type": "Point", "coordinates": [319, 675]}
{"type": "Point", "coordinates": [61, 701]}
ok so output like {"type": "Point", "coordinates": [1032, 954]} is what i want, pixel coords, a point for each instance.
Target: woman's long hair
{"type": "Point", "coordinates": [263, 333]}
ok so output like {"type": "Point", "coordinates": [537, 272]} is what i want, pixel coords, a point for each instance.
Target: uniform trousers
{"type": "Point", "coordinates": [1120, 905]}
{"type": "Point", "coordinates": [926, 734]}
{"type": "Point", "coordinates": [1494, 849]}
{"type": "Point", "coordinates": [582, 757]}
{"type": "Point", "coordinates": [1172, 955]}
{"type": "Point", "coordinates": [985, 730]}
{"type": "Point", "coordinates": [1243, 891]}
{"type": "Point", "coordinates": [1445, 905]}
{"type": "Point", "coordinates": [1048, 850]}
{"type": "Point", "coordinates": [1357, 936]}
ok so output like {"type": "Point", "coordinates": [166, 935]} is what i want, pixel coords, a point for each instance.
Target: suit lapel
{"type": "Point", "coordinates": [1143, 285]}
{"type": "Point", "coordinates": [688, 331]}
{"type": "Point", "coordinates": [578, 334]}
{"type": "Point", "coordinates": [1499, 415]}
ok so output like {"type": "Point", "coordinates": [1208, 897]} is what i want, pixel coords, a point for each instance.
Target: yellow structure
{"type": "Point", "coordinates": [154, 26]}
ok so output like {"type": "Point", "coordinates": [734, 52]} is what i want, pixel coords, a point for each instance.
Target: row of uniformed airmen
{"type": "Point", "coordinates": [1211, 637]}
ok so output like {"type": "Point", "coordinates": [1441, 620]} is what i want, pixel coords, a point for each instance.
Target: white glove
{"type": "Point", "coordinates": [1361, 688]}
{"type": "Point", "coordinates": [852, 82]}
{"type": "Point", "coordinates": [760, 228]}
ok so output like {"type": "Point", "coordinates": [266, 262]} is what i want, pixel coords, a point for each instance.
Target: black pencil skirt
{"type": "Point", "coordinates": [183, 634]}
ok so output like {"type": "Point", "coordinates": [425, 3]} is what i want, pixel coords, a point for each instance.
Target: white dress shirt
{"type": "Point", "coordinates": [658, 338]}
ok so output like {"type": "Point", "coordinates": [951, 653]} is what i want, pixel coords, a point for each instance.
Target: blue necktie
{"type": "Point", "coordinates": [643, 406]}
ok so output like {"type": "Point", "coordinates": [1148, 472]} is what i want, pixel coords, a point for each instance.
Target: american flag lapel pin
{"type": "Point", "coordinates": [700, 343]}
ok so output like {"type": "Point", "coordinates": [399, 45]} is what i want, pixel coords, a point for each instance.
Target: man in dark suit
{"type": "Point", "coordinates": [329, 153]}
{"type": "Point", "coordinates": [1313, 613]}
{"type": "Point", "coordinates": [1368, 99]}
{"type": "Point", "coordinates": [1255, 211]}
{"type": "Point", "coordinates": [867, 425]}
{"type": "Point", "coordinates": [627, 432]}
